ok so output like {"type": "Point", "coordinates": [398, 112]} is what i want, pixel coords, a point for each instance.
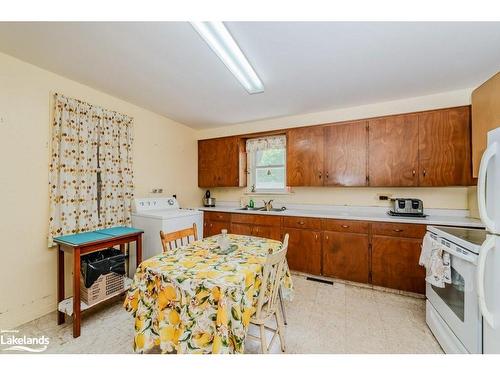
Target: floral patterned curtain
{"type": "Point", "coordinates": [81, 132]}
{"type": "Point", "coordinates": [115, 162]}
{"type": "Point", "coordinates": [266, 143]}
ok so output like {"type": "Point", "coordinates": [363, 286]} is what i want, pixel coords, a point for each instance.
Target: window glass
{"type": "Point", "coordinates": [268, 169]}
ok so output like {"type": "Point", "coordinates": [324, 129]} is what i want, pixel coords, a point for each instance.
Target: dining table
{"type": "Point", "coordinates": [199, 298]}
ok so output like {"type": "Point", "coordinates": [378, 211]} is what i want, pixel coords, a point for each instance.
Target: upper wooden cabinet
{"type": "Point", "coordinates": [430, 148]}
{"type": "Point", "coordinates": [485, 117]}
{"type": "Point", "coordinates": [222, 162]}
{"type": "Point", "coordinates": [304, 164]}
{"type": "Point", "coordinates": [393, 151]}
{"type": "Point", "coordinates": [444, 147]}
{"type": "Point", "coordinates": [333, 155]}
{"type": "Point", "coordinates": [345, 154]}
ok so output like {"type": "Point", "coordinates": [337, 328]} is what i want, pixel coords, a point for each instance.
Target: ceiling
{"type": "Point", "coordinates": [305, 66]}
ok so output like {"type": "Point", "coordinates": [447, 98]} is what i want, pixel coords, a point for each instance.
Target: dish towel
{"type": "Point", "coordinates": [436, 262]}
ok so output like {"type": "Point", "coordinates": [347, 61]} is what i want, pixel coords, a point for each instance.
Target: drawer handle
{"type": "Point", "coordinates": [345, 226]}
{"type": "Point", "coordinates": [398, 230]}
{"type": "Point", "coordinates": [301, 223]}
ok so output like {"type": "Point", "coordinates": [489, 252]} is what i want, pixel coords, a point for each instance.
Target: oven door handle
{"type": "Point", "coordinates": [483, 253]}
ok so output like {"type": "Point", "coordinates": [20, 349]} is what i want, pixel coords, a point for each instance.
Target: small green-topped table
{"type": "Point", "coordinates": [84, 243]}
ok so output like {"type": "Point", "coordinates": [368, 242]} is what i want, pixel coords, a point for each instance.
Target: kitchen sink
{"type": "Point", "coordinates": [252, 208]}
{"type": "Point", "coordinates": [262, 209]}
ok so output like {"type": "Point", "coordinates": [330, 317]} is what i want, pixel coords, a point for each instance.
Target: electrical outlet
{"type": "Point", "coordinates": [154, 191]}
{"type": "Point", "coordinates": [160, 190]}
{"type": "Point", "coordinates": [384, 197]}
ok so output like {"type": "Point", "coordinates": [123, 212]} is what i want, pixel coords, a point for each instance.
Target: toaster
{"type": "Point", "coordinates": [407, 207]}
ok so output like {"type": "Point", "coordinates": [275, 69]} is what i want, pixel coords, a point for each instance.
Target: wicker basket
{"type": "Point", "coordinates": [106, 286]}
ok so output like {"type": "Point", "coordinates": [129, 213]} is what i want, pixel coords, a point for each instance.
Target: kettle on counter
{"type": "Point", "coordinates": [207, 200]}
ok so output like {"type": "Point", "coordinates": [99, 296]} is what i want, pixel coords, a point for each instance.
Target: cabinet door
{"type": "Point", "coordinates": [211, 228]}
{"type": "Point", "coordinates": [305, 157]}
{"type": "Point", "coordinates": [206, 163]}
{"type": "Point", "coordinates": [221, 162]}
{"type": "Point", "coordinates": [393, 151]}
{"type": "Point", "coordinates": [304, 250]}
{"type": "Point", "coordinates": [485, 117]}
{"type": "Point", "coordinates": [274, 233]}
{"type": "Point", "coordinates": [445, 147]}
{"type": "Point", "coordinates": [345, 256]}
{"type": "Point", "coordinates": [346, 147]}
{"type": "Point", "coordinates": [395, 263]}
{"type": "Point", "coordinates": [243, 229]}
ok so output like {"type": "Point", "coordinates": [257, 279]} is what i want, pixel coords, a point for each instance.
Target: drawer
{"type": "Point", "coordinates": [302, 222]}
{"type": "Point", "coordinates": [351, 226]}
{"type": "Point", "coordinates": [267, 220]}
{"type": "Point", "coordinates": [217, 216]}
{"type": "Point", "coordinates": [399, 230]}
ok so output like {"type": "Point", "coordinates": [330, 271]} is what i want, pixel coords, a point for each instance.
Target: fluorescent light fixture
{"type": "Point", "coordinates": [222, 43]}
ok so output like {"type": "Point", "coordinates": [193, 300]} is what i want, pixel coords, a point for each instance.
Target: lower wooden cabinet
{"type": "Point", "coordinates": [304, 250]}
{"type": "Point", "coordinates": [379, 253]}
{"type": "Point", "coordinates": [211, 228]}
{"type": "Point", "coordinates": [271, 232]}
{"type": "Point", "coordinates": [243, 229]}
{"type": "Point", "coordinates": [346, 256]}
{"type": "Point", "coordinates": [395, 263]}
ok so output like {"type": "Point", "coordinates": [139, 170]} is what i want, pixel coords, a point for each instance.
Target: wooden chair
{"type": "Point", "coordinates": [268, 303]}
{"type": "Point", "coordinates": [282, 304]}
{"type": "Point", "coordinates": [182, 237]}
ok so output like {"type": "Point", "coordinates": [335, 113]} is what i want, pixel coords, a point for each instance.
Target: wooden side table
{"type": "Point", "coordinates": [85, 243]}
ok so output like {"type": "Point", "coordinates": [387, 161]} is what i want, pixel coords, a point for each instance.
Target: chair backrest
{"type": "Point", "coordinates": [272, 276]}
{"type": "Point", "coordinates": [182, 237]}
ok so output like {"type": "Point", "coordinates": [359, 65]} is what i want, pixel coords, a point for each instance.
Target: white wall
{"type": "Point", "coordinates": [162, 149]}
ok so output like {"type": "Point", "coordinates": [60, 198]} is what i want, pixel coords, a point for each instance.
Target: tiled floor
{"type": "Point", "coordinates": [322, 318]}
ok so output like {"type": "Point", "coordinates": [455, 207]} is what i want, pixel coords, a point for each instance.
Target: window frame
{"type": "Point", "coordinates": [252, 169]}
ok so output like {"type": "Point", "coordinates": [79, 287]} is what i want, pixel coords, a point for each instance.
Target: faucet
{"type": "Point", "coordinates": [268, 205]}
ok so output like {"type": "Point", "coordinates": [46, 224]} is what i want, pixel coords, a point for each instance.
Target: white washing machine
{"type": "Point", "coordinates": [155, 214]}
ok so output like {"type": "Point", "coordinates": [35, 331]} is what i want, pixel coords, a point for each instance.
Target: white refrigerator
{"type": "Point", "coordinates": [488, 270]}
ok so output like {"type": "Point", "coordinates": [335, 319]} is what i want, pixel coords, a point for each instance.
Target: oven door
{"type": "Point", "coordinates": [457, 304]}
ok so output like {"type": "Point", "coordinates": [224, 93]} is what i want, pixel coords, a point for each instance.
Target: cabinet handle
{"type": "Point", "coordinates": [320, 174]}
{"type": "Point", "coordinates": [327, 175]}
{"type": "Point", "coordinates": [413, 172]}
{"type": "Point", "coordinates": [345, 226]}
{"type": "Point", "coordinates": [300, 223]}
{"type": "Point", "coordinates": [425, 172]}
{"type": "Point", "coordinates": [398, 230]}
{"type": "Point", "coordinates": [326, 237]}
{"type": "Point", "coordinates": [316, 236]}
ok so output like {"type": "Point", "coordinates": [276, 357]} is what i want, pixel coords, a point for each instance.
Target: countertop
{"type": "Point", "coordinates": [458, 218]}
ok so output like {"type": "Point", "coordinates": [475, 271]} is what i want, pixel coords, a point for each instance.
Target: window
{"type": "Point", "coordinates": [267, 164]}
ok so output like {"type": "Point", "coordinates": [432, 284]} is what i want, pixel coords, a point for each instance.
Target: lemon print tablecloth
{"type": "Point", "coordinates": [197, 299]}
